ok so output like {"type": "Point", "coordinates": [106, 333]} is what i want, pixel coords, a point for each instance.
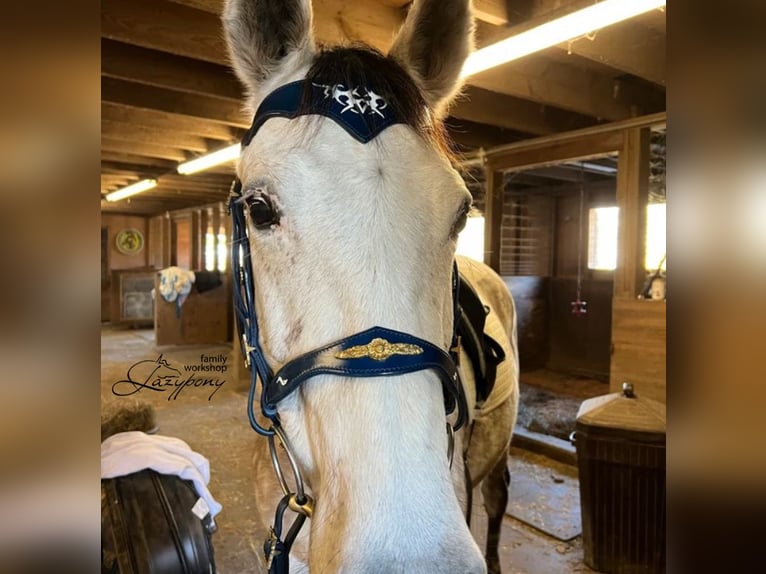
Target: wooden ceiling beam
{"type": "Point", "coordinates": [483, 106]}
{"type": "Point", "coordinates": [156, 136]}
{"type": "Point", "coordinates": [635, 46]}
{"type": "Point", "coordinates": [142, 164]}
{"type": "Point", "coordinates": [169, 121]}
{"type": "Point", "coordinates": [175, 194]}
{"type": "Point", "coordinates": [153, 98]}
{"type": "Point", "coordinates": [164, 26]}
{"type": "Point", "coordinates": [628, 47]}
{"type": "Point", "coordinates": [115, 181]}
{"type": "Point", "coordinates": [469, 135]}
{"type": "Point", "coordinates": [560, 173]}
{"type": "Point", "coordinates": [163, 70]}
{"type": "Point", "coordinates": [148, 150]}
{"type": "Point", "coordinates": [209, 80]}
{"type": "Point", "coordinates": [138, 205]}
{"type": "Point", "coordinates": [113, 166]}
{"type": "Point", "coordinates": [491, 11]}
{"type": "Point", "coordinates": [118, 175]}
{"type": "Point", "coordinates": [564, 86]}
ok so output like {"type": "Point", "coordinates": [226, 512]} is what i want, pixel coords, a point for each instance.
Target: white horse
{"type": "Point", "coordinates": [366, 235]}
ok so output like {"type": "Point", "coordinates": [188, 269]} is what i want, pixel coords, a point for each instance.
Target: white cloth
{"type": "Point", "coordinates": [176, 283]}
{"type": "Point", "coordinates": [129, 452]}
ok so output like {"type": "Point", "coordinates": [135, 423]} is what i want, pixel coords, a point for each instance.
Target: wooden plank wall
{"type": "Point", "coordinates": [205, 318]}
{"type": "Point", "coordinates": [114, 223]}
{"type": "Point", "coordinates": [638, 346]}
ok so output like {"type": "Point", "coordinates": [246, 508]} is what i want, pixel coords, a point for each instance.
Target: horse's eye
{"type": "Point", "coordinates": [263, 214]}
{"type": "Point", "coordinates": [461, 220]}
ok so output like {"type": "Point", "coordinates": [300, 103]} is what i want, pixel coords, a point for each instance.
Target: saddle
{"type": "Point", "coordinates": [148, 527]}
{"type": "Point", "coordinates": [483, 351]}
{"type": "Point", "coordinates": [148, 520]}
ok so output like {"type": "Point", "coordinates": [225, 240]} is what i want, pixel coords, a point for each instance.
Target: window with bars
{"type": "Point", "coordinates": [216, 249]}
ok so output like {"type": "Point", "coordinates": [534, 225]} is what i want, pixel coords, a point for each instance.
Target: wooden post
{"type": "Point", "coordinates": [215, 223]}
{"type": "Point", "coordinates": [167, 241]}
{"type": "Point", "coordinates": [493, 217]}
{"type": "Point", "coordinates": [632, 199]}
{"type": "Point", "coordinates": [197, 240]}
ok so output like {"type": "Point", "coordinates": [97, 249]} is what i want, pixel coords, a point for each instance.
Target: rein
{"type": "Point", "coordinates": [375, 352]}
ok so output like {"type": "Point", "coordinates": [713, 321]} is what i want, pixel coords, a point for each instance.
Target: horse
{"type": "Point", "coordinates": [349, 220]}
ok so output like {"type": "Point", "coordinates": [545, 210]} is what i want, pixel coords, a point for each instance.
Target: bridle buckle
{"type": "Point", "coordinates": [306, 509]}
{"type": "Point", "coordinates": [455, 351]}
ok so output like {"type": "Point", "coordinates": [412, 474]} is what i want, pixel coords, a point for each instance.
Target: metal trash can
{"type": "Point", "coordinates": [620, 440]}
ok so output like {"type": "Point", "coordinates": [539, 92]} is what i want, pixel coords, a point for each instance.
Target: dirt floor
{"type": "Point", "coordinates": [549, 401]}
{"type": "Point", "coordinates": [543, 495]}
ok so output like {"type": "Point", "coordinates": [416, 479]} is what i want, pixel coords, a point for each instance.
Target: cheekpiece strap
{"type": "Point", "coordinates": [376, 352]}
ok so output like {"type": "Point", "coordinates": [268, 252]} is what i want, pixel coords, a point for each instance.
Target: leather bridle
{"type": "Point", "coordinates": [376, 352]}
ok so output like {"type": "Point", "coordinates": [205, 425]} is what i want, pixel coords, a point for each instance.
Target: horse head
{"type": "Point", "coordinates": [350, 234]}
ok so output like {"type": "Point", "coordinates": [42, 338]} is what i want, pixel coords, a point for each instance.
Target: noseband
{"type": "Point", "coordinates": [376, 352]}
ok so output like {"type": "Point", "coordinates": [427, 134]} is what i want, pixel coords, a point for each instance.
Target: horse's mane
{"type": "Point", "coordinates": [361, 65]}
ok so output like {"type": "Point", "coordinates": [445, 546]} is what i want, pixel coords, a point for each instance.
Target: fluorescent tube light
{"type": "Point", "coordinates": [132, 189]}
{"type": "Point", "coordinates": [207, 161]}
{"type": "Point", "coordinates": [557, 31]}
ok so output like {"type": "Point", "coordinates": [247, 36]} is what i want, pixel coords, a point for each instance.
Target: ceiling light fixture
{"type": "Point", "coordinates": [131, 189]}
{"type": "Point", "coordinates": [556, 32]}
{"type": "Point", "coordinates": [224, 155]}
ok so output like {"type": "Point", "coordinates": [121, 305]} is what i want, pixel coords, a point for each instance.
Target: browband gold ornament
{"type": "Point", "coordinates": [379, 350]}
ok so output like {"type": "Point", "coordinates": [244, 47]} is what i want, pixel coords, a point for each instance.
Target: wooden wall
{"type": "Point", "coordinates": [114, 223]}
{"type": "Point", "coordinates": [639, 346]}
{"type": "Point", "coordinates": [579, 345]}
{"type": "Point", "coordinates": [178, 237]}
{"type": "Point", "coordinates": [530, 295]}
{"type": "Point", "coordinates": [173, 238]}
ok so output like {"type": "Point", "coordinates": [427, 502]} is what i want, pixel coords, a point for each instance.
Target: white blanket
{"type": "Point", "coordinates": [129, 452]}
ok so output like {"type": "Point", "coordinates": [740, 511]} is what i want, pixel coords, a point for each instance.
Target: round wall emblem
{"type": "Point", "coordinates": [129, 241]}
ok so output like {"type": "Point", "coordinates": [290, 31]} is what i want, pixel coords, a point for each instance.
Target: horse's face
{"type": "Point", "coordinates": [365, 236]}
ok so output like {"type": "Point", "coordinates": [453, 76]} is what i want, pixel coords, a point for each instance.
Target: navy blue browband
{"type": "Point", "coordinates": [360, 111]}
{"type": "Point", "coordinates": [372, 353]}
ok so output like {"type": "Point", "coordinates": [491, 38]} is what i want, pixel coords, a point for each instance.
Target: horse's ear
{"type": "Point", "coordinates": [433, 44]}
{"type": "Point", "coordinates": [267, 40]}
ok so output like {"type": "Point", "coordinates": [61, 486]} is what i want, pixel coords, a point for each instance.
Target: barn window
{"type": "Point", "coordinates": [216, 249]}
{"type": "Point", "coordinates": [223, 251]}
{"type": "Point", "coordinates": [209, 249]}
{"type": "Point", "coordinates": [602, 238]}
{"type": "Point", "coordinates": [470, 241]}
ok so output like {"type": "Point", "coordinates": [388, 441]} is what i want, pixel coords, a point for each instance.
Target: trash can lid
{"type": "Point", "coordinates": [623, 410]}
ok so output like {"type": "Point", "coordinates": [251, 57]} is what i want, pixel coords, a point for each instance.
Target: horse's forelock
{"type": "Point", "coordinates": [361, 65]}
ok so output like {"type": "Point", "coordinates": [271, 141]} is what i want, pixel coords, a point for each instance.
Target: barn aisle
{"type": "Point", "coordinates": [217, 428]}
